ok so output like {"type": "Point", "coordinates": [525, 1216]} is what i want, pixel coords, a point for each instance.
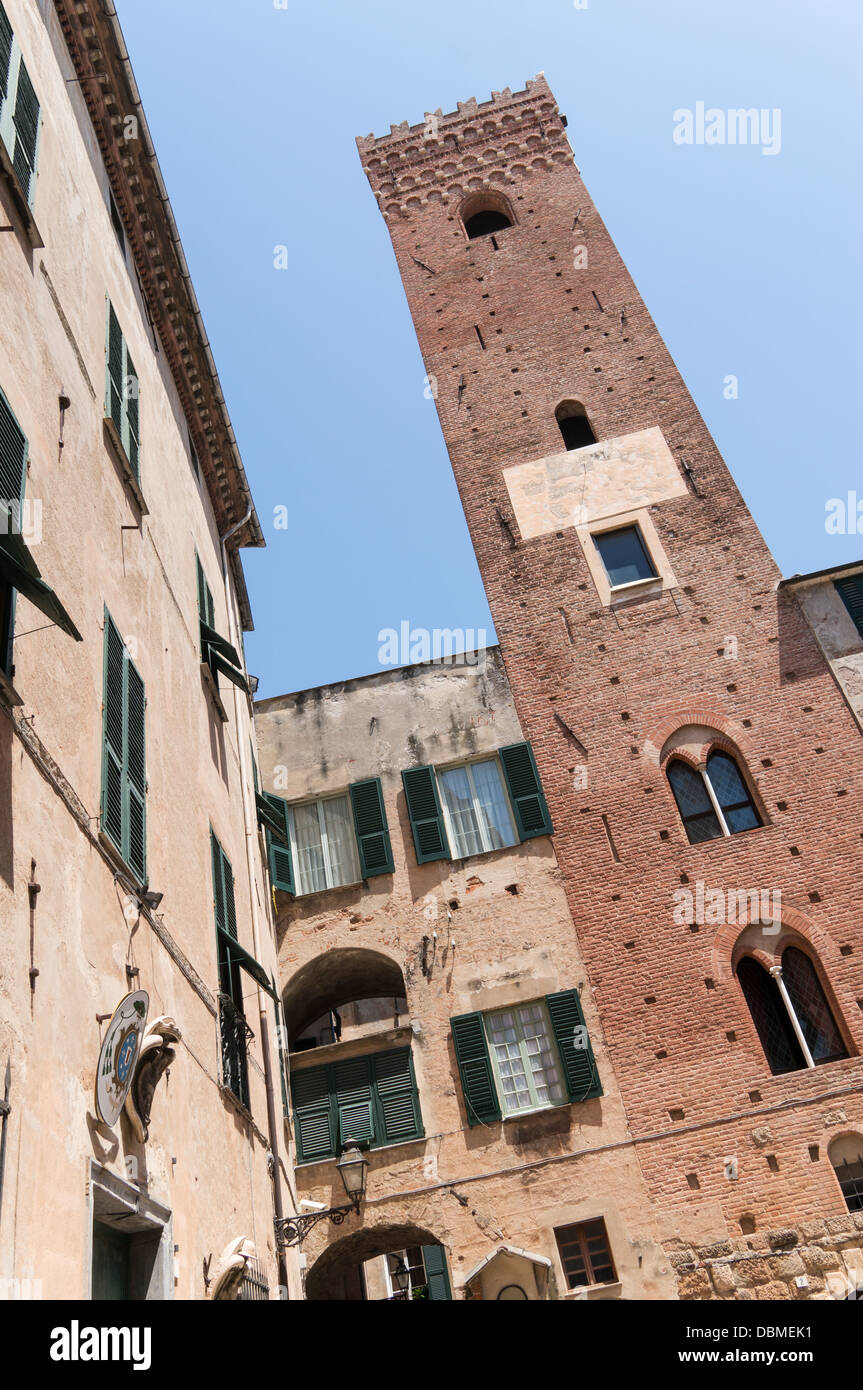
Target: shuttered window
{"type": "Point", "coordinates": [328, 843]}
{"type": "Point", "coordinates": [19, 572]}
{"type": "Point", "coordinates": [122, 394]}
{"type": "Point", "coordinates": [530, 1057]}
{"type": "Point", "coordinates": [20, 112]}
{"type": "Point", "coordinates": [124, 781]}
{"type": "Point", "coordinates": [219, 655]}
{"type": "Point", "coordinates": [476, 807]}
{"type": "Point", "coordinates": [372, 1100]}
{"type": "Point", "coordinates": [850, 590]}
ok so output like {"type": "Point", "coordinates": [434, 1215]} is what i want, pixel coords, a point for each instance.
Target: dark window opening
{"type": "Point", "coordinates": [574, 425]}
{"type": "Point", "coordinates": [7, 624]}
{"type": "Point", "coordinates": [737, 805]}
{"type": "Point", "coordinates": [775, 1033]}
{"type": "Point", "coordinates": [486, 221]}
{"type": "Point", "coordinates": [811, 1007]}
{"type": "Point", "coordinates": [693, 802]}
{"type": "Point", "coordinates": [585, 1254]}
{"type": "Point", "coordinates": [850, 590]}
{"type": "Point", "coordinates": [625, 557]}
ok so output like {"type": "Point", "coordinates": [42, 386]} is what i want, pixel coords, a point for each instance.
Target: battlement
{"type": "Point", "coordinates": [482, 144]}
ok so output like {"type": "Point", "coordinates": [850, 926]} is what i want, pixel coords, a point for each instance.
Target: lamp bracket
{"type": "Point", "coordinates": [292, 1230]}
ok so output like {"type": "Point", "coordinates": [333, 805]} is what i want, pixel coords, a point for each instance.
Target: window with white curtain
{"type": "Point", "coordinates": [324, 844]}
{"type": "Point", "coordinates": [526, 1064]}
{"type": "Point", "coordinates": [476, 808]}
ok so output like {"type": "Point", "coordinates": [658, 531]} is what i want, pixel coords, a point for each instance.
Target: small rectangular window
{"type": "Point", "coordinates": [585, 1254]}
{"type": "Point", "coordinates": [476, 808]}
{"type": "Point", "coordinates": [323, 844]}
{"type": "Point", "coordinates": [850, 590]}
{"type": "Point", "coordinates": [527, 1068]}
{"type": "Point", "coordinates": [20, 112]}
{"type": "Point", "coordinates": [624, 556]}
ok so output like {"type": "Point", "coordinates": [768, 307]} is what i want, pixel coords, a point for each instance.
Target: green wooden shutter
{"type": "Point", "coordinates": [114, 372]}
{"type": "Point", "coordinates": [114, 725]}
{"type": "Point", "coordinates": [5, 53]}
{"type": "Point", "coordinates": [206, 607]}
{"type": "Point", "coordinates": [132, 415]}
{"type": "Point", "coordinates": [13, 458]}
{"type": "Point", "coordinates": [437, 1274]}
{"type": "Point", "coordinates": [398, 1107]}
{"type": "Point", "coordinates": [124, 780]}
{"type": "Point", "coordinates": [850, 591]}
{"type": "Point", "coordinates": [315, 1117]}
{"type": "Point", "coordinates": [424, 810]}
{"type": "Point", "coordinates": [370, 823]}
{"type": "Point", "coordinates": [352, 1085]}
{"type": "Point", "coordinates": [525, 791]}
{"type": "Point", "coordinates": [26, 120]}
{"type": "Point", "coordinates": [136, 778]}
{"type": "Point", "coordinates": [223, 889]}
{"type": "Point", "coordinates": [279, 856]}
{"type": "Point", "coordinates": [576, 1053]}
{"type": "Point", "coordinates": [474, 1064]}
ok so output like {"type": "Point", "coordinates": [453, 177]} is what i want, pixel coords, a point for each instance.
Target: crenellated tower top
{"type": "Point", "coordinates": [492, 143]}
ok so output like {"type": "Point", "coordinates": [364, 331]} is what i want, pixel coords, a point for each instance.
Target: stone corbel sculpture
{"type": "Point", "coordinates": [156, 1056]}
{"type": "Point", "coordinates": [224, 1283]}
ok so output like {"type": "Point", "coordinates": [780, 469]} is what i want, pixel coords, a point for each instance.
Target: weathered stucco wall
{"type": "Point", "coordinates": [204, 1161]}
{"type": "Point", "coordinates": [837, 635]}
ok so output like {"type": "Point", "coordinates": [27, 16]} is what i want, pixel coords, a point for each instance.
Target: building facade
{"type": "Point", "coordinates": [700, 763]}
{"type": "Point", "coordinates": [131, 850]}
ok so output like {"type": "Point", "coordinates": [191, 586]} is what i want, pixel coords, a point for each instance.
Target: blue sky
{"type": "Point", "coordinates": [749, 264]}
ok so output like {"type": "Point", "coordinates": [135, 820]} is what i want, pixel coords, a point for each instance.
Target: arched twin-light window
{"type": "Point", "coordinates": [713, 801]}
{"type": "Point", "coordinates": [791, 1013]}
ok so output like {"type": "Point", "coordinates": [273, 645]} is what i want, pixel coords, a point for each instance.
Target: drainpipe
{"type": "Point", "coordinates": [250, 825]}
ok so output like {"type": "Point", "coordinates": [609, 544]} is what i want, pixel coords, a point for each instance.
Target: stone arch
{"type": "Point", "coordinates": [342, 975]}
{"type": "Point", "coordinates": [334, 1274]}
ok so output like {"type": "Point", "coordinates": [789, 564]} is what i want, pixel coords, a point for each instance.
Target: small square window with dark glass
{"type": "Point", "coordinates": [585, 1254]}
{"type": "Point", "coordinates": [625, 556]}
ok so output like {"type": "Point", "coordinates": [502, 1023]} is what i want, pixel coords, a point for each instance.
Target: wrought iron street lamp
{"type": "Point", "coordinates": [352, 1165]}
{"type": "Point", "coordinates": [400, 1277]}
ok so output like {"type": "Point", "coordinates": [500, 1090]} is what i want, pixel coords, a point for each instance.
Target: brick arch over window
{"type": "Point", "coordinates": [797, 1023]}
{"type": "Point", "coordinates": [845, 1152]}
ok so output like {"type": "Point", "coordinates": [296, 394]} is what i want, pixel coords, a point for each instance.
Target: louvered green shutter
{"type": "Point", "coordinates": [206, 608]}
{"type": "Point", "coordinates": [122, 391]}
{"type": "Point", "coordinates": [850, 591]}
{"type": "Point", "coordinates": [5, 53]}
{"type": "Point", "coordinates": [114, 737]}
{"type": "Point", "coordinates": [114, 372]}
{"type": "Point", "coordinates": [525, 791]}
{"type": "Point", "coordinates": [352, 1086]}
{"type": "Point", "coordinates": [26, 120]}
{"type": "Point", "coordinates": [370, 823]}
{"type": "Point", "coordinates": [279, 856]}
{"type": "Point", "coordinates": [13, 459]}
{"type": "Point", "coordinates": [437, 1274]}
{"type": "Point", "coordinates": [124, 779]}
{"type": "Point", "coordinates": [223, 889]}
{"type": "Point", "coordinates": [315, 1116]}
{"type": "Point", "coordinates": [425, 814]}
{"type": "Point", "coordinates": [136, 779]}
{"type": "Point", "coordinates": [573, 1044]}
{"type": "Point", "coordinates": [474, 1064]}
{"type": "Point", "coordinates": [398, 1106]}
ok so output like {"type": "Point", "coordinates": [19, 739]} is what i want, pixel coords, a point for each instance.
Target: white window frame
{"type": "Point", "coordinates": [318, 803]}
{"type": "Point", "coordinates": [403, 1256]}
{"type": "Point", "coordinates": [498, 1080]}
{"type": "Point", "coordinates": [476, 807]}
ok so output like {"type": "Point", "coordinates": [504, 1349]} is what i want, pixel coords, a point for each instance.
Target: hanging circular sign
{"type": "Point", "coordinates": [119, 1054]}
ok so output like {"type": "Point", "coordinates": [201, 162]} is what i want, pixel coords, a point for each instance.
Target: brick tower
{"type": "Point", "coordinates": [701, 765]}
